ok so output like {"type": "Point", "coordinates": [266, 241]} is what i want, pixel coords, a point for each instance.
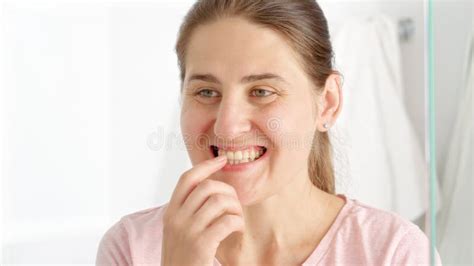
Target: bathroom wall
{"type": "Point", "coordinates": [452, 24]}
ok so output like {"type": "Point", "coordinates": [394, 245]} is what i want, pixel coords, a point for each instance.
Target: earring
{"type": "Point", "coordinates": [325, 125]}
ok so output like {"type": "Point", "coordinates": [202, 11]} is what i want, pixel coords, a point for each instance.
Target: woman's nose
{"type": "Point", "coordinates": [232, 119]}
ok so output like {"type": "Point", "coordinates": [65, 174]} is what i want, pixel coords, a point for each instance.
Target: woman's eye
{"type": "Point", "coordinates": [261, 93]}
{"type": "Point", "coordinates": [207, 93]}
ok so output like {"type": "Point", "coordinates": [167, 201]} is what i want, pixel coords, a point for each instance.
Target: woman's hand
{"type": "Point", "coordinates": [201, 213]}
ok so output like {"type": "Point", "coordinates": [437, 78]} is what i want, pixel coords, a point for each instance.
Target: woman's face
{"type": "Point", "coordinates": [244, 90]}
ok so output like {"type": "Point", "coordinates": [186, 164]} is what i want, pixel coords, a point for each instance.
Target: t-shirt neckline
{"type": "Point", "coordinates": [319, 252]}
{"type": "Point", "coordinates": [323, 245]}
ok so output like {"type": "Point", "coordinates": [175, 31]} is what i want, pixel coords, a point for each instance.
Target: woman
{"type": "Point", "coordinates": [259, 94]}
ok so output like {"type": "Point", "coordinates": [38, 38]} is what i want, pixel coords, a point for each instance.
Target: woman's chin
{"type": "Point", "coordinates": [247, 189]}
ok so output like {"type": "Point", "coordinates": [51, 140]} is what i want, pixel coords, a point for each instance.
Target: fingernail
{"type": "Point", "coordinates": [221, 158]}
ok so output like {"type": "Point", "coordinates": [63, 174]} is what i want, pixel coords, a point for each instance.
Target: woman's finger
{"type": "Point", "coordinates": [191, 178]}
{"type": "Point", "coordinates": [214, 207]}
{"type": "Point", "coordinates": [200, 194]}
{"type": "Point", "coordinates": [223, 227]}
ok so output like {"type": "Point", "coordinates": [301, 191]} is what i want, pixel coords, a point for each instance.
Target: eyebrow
{"type": "Point", "coordinates": [246, 79]}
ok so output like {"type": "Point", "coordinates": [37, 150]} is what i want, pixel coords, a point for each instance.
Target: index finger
{"type": "Point", "coordinates": [194, 176]}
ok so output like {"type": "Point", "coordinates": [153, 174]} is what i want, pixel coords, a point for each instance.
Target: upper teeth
{"type": "Point", "coordinates": [242, 156]}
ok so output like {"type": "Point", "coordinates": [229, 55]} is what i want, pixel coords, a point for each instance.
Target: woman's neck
{"type": "Point", "coordinates": [295, 219]}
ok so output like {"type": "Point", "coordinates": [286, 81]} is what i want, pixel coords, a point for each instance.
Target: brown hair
{"type": "Point", "coordinates": [303, 23]}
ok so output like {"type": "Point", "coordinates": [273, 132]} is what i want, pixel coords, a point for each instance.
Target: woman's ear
{"type": "Point", "coordinates": [330, 102]}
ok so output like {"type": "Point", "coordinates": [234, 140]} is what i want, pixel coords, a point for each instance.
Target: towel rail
{"type": "Point", "coordinates": [406, 29]}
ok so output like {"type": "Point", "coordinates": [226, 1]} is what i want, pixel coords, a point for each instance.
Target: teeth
{"type": "Point", "coordinates": [244, 156]}
{"type": "Point", "coordinates": [252, 155]}
{"type": "Point", "coordinates": [238, 155]}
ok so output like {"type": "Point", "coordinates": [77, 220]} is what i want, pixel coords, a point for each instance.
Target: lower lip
{"type": "Point", "coordinates": [244, 166]}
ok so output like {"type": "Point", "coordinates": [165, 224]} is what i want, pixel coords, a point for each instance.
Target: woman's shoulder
{"type": "Point", "coordinates": [134, 238]}
{"type": "Point", "coordinates": [382, 234]}
{"type": "Point", "coordinates": [144, 217]}
{"type": "Point", "coordinates": [144, 224]}
{"type": "Point", "coordinates": [370, 216]}
{"type": "Point", "coordinates": [377, 224]}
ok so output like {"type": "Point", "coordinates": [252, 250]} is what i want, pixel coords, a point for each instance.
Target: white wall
{"type": "Point", "coordinates": [55, 130]}
{"type": "Point", "coordinates": [89, 92]}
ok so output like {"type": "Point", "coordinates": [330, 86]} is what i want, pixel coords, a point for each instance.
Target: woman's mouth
{"type": "Point", "coordinates": [239, 155]}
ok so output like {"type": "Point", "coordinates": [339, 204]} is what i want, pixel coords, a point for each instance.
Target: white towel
{"type": "Point", "coordinates": [378, 159]}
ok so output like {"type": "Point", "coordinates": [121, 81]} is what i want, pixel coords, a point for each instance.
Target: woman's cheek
{"type": "Point", "coordinates": [272, 124]}
{"type": "Point", "coordinates": [287, 128]}
{"type": "Point", "coordinates": [192, 116]}
{"type": "Point", "coordinates": [196, 127]}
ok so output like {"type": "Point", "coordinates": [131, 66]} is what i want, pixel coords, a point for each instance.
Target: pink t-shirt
{"type": "Point", "coordinates": [360, 235]}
